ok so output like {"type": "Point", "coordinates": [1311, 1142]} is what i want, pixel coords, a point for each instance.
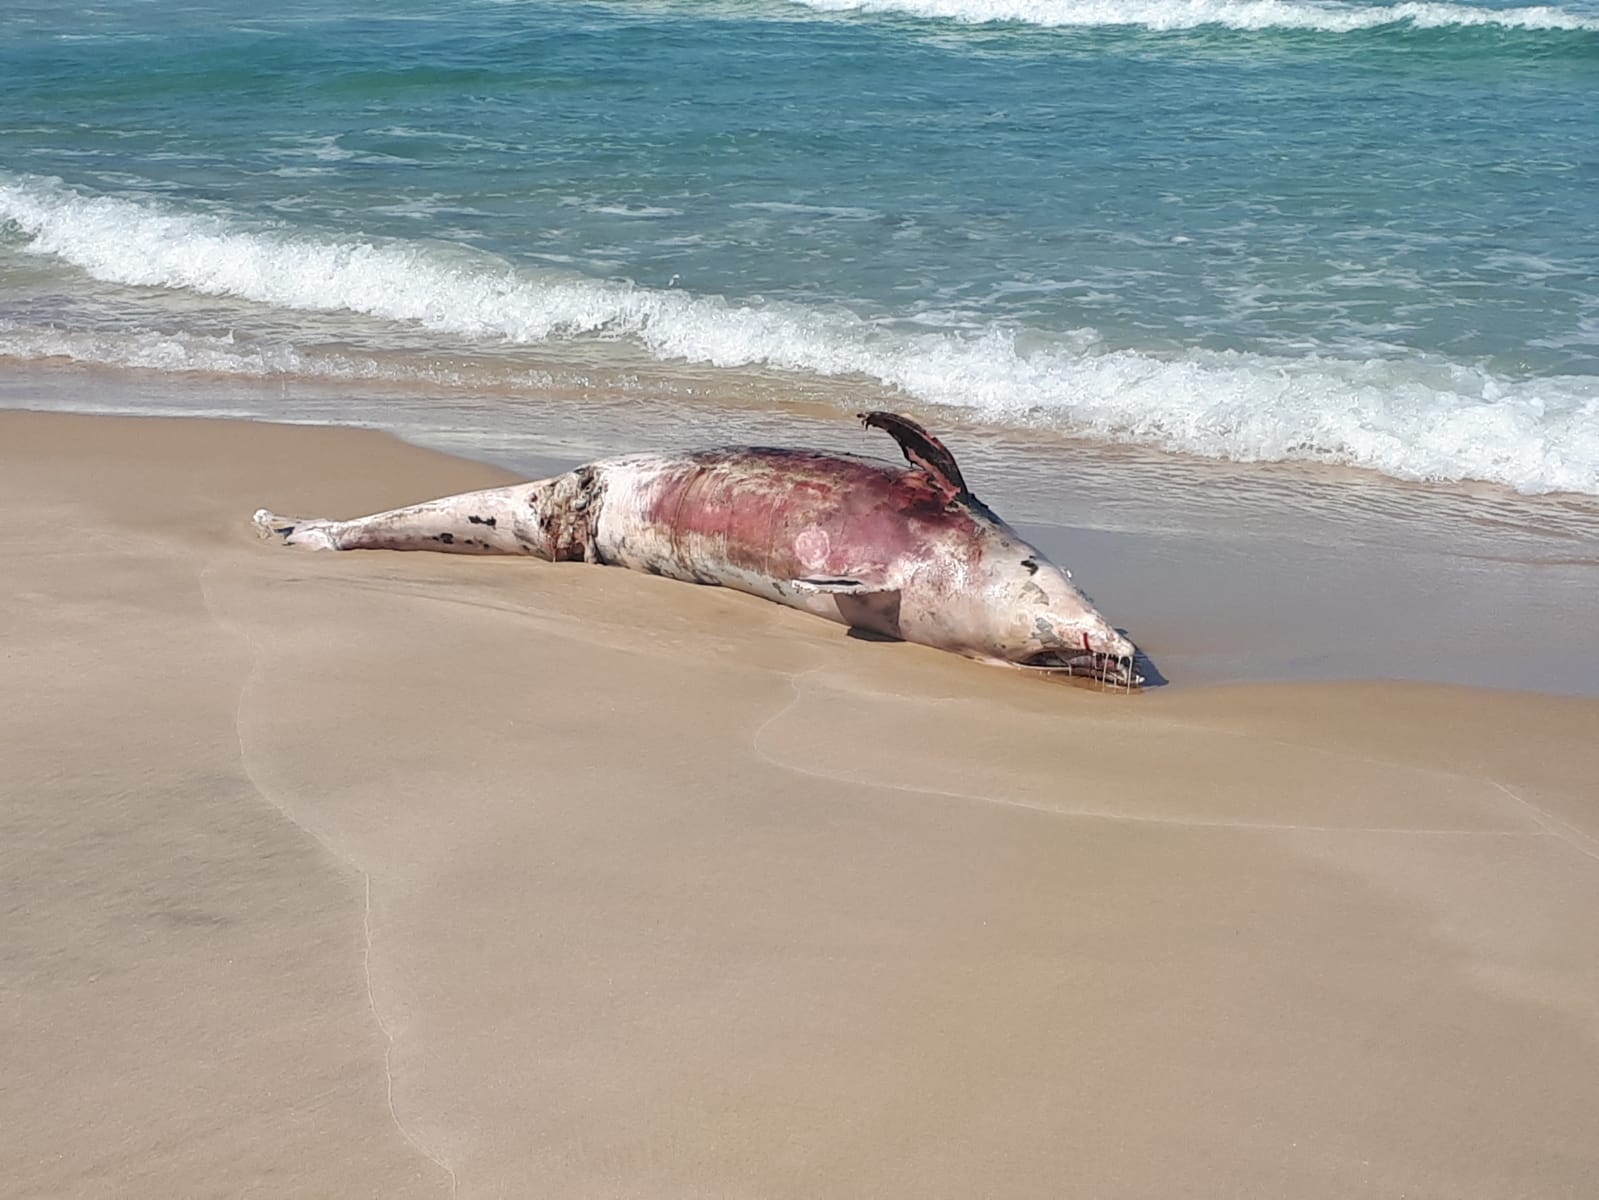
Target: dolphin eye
{"type": "Point", "coordinates": [1031, 564]}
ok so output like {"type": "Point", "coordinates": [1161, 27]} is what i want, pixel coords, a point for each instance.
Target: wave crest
{"type": "Point", "coordinates": [1414, 419]}
{"type": "Point", "coordinates": [1171, 15]}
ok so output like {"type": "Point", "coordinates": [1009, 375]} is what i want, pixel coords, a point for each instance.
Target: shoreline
{"type": "Point", "coordinates": [1222, 573]}
{"type": "Point", "coordinates": [411, 874]}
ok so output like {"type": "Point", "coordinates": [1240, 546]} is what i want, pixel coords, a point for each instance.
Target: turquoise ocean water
{"type": "Point", "coordinates": [1254, 230]}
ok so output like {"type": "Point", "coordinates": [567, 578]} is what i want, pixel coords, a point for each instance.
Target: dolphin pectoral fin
{"type": "Point", "coordinates": [875, 613]}
{"type": "Point", "coordinates": [869, 607]}
{"type": "Point", "coordinates": [834, 586]}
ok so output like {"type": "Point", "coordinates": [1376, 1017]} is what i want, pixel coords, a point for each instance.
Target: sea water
{"type": "Point", "coordinates": [1252, 230]}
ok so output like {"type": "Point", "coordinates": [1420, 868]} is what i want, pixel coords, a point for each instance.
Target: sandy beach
{"type": "Point", "coordinates": [406, 874]}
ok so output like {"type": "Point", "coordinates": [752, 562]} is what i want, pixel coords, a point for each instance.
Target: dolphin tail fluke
{"type": "Point", "coordinates": [313, 533]}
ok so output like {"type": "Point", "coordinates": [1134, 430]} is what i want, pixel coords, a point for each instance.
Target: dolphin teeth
{"type": "Point", "coordinates": [1109, 670]}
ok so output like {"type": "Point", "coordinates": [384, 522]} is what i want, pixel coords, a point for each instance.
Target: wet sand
{"type": "Point", "coordinates": [384, 874]}
{"type": "Point", "coordinates": [1223, 572]}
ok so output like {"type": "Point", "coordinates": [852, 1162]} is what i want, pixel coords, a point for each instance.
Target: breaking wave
{"type": "Point", "coordinates": [1418, 418]}
{"type": "Point", "coordinates": [1168, 15]}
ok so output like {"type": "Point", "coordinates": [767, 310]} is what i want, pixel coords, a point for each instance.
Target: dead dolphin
{"type": "Point", "coordinates": [905, 553]}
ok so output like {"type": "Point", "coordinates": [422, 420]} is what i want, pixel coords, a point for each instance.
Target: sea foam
{"type": "Point", "coordinates": [1167, 15]}
{"type": "Point", "coordinates": [1418, 418]}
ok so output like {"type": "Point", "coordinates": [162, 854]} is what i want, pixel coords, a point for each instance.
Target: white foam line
{"type": "Point", "coordinates": [1245, 15]}
{"type": "Point", "coordinates": [1421, 418]}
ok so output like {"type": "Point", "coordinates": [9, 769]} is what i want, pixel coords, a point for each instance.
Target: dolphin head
{"type": "Point", "coordinates": [1057, 628]}
{"type": "Point", "coordinates": [1027, 612]}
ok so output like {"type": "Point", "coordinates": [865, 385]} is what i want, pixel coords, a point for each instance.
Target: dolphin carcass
{"type": "Point", "coordinates": [902, 552]}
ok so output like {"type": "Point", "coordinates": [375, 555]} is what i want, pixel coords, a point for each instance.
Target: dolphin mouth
{"type": "Point", "coordinates": [1109, 669]}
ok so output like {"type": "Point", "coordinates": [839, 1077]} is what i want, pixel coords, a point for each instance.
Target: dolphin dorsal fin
{"type": "Point", "coordinates": [921, 449]}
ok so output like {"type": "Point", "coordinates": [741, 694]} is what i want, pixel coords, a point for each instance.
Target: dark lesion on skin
{"type": "Point", "coordinates": [560, 511]}
{"type": "Point", "coordinates": [447, 538]}
{"type": "Point", "coordinates": [1031, 564]}
{"type": "Point", "coordinates": [491, 522]}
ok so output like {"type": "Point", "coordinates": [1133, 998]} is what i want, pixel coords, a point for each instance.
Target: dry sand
{"type": "Point", "coordinates": [391, 875]}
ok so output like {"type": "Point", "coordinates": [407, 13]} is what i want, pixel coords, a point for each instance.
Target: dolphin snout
{"type": "Point", "coordinates": [1092, 634]}
{"type": "Point", "coordinates": [1102, 652]}
{"type": "Point", "coordinates": [1112, 644]}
